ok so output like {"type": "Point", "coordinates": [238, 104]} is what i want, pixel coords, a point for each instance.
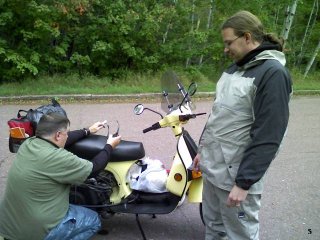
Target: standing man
{"type": "Point", "coordinates": [244, 131]}
{"type": "Point", "coordinates": [36, 201]}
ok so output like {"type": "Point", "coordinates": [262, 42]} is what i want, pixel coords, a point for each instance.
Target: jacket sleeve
{"type": "Point", "coordinates": [101, 160]}
{"type": "Point", "coordinates": [271, 115]}
{"type": "Point", "coordinates": [74, 136]}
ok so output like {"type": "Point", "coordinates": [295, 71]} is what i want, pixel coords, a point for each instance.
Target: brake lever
{"type": "Point", "coordinates": [116, 134]}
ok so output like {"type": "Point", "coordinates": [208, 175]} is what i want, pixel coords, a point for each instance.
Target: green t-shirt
{"type": "Point", "coordinates": [37, 193]}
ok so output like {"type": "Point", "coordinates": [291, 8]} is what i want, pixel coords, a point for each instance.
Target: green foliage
{"type": "Point", "coordinates": [206, 78]}
{"type": "Point", "coordinates": [108, 38]}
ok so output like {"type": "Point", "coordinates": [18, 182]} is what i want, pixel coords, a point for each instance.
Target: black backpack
{"type": "Point", "coordinates": [34, 115]}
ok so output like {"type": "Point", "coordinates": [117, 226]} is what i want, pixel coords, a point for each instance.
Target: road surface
{"type": "Point", "coordinates": [290, 204]}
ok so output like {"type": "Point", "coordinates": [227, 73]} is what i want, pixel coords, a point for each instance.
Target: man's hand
{"type": "Point", "coordinates": [236, 196]}
{"type": "Point", "coordinates": [113, 141]}
{"type": "Point", "coordinates": [196, 162]}
{"type": "Point", "coordinates": [97, 126]}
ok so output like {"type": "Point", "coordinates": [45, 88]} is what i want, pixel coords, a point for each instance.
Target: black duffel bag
{"type": "Point", "coordinates": [34, 115]}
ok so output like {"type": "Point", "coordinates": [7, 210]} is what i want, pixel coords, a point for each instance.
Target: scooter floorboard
{"type": "Point", "coordinates": [148, 203]}
{"type": "Point", "coordinates": [146, 208]}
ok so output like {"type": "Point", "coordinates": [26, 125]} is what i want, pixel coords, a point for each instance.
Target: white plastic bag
{"type": "Point", "coordinates": [149, 176]}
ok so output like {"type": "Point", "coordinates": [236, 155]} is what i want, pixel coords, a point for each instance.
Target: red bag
{"type": "Point", "coordinates": [22, 122]}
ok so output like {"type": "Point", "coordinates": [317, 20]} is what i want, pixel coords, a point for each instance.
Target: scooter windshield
{"type": "Point", "coordinates": [173, 91]}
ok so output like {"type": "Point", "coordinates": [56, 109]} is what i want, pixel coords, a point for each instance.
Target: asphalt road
{"type": "Point", "coordinates": [290, 203]}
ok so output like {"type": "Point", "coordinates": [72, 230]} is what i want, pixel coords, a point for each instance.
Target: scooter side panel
{"type": "Point", "coordinates": [174, 186]}
{"type": "Point", "coordinates": [120, 170]}
{"type": "Point", "coordinates": [195, 191]}
{"type": "Point", "coordinates": [178, 167]}
{"type": "Point", "coordinates": [181, 162]}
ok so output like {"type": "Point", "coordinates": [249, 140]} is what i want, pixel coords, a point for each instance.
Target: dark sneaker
{"type": "Point", "coordinates": [223, 236]}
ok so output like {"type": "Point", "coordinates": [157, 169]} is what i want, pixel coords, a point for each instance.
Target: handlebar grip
{"type": "Point", "coordinates": [147, 130]}
{"type": "Point", "coordinates": [153, 127]}
{"type": "Point", "coordinates": [189, 116]}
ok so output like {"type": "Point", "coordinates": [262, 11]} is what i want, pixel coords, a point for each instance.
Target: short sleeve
{"type": "Point", "coordinates": [65, 167]}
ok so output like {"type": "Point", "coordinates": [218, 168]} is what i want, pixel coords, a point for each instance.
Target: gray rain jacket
{"type": "Point", "coordinates": [247, 123]}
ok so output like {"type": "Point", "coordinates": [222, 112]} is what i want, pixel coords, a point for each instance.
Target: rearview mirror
{"type": "Point", "coordinates": [192, 89]}
{"type": "Point", "coordinates": [138, 109]}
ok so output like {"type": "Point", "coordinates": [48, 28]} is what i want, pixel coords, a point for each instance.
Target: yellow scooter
{"type": "Point", "coordinates": [110, 191]}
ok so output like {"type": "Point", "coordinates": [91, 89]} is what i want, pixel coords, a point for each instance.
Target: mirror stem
{"type": "Point", "coordinates": [154, 112]}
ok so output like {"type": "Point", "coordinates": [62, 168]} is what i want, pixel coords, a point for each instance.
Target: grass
{"type": "Point", "coordinates": [311, 82]}
{"type": "Point", "coordinates": [130, 84]}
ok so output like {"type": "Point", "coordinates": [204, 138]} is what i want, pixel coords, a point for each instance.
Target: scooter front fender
{"type": "Point", "coordinates": [195, 191]}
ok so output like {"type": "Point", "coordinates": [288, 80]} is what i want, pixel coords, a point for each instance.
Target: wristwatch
{"type": "Point", "coordinates": [87, 131]}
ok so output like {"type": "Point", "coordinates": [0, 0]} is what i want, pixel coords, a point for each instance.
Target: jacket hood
{"type": "Point", "coordinates": [265, 51]}
{"type": "Point", "coordinates": [267, 55]}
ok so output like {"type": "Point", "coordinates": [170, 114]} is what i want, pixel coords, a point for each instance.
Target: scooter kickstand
{"type": "Point", "coordinates": [140, 227]}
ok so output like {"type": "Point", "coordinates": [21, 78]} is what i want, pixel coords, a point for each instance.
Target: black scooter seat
{"type": "Point", "coordinates": [90, 146]}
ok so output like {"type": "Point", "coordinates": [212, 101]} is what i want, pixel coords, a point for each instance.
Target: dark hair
{"type": "Point", "coordinates": [245, 22]}
{"type": "Point", "coordinates": [51, 123]}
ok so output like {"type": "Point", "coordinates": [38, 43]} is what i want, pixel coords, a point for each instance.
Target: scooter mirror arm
{"type": "Point", "coordinates": [186, 97]}
{"type": "Point", "coordinates": [165, 95]}
{"type": "Point", "coordinates": [154, 112]}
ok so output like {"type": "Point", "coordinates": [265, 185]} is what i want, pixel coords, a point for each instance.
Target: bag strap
{"type": "Point", "coordinates": [55, 102]}
{"type": "Point", "coordinates": [25, 111]}
{"type": "Point", "coordinates": [19, 113]}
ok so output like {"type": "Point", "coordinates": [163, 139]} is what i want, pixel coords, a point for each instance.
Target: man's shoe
{"type": "Point", "coordinates": [223, 236]}
{"type": "Point", "coordinates": [103, 232]}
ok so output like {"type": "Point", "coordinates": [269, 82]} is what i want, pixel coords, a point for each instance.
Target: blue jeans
{"type": "Point", "coordinates": [79, 223]}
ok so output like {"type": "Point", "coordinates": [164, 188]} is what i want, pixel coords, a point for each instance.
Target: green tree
{"type": "Point", "coordinates": [110, 38]}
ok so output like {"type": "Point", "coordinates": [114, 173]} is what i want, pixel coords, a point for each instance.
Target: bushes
{"type": "Point", "coordinates": [109, 38]}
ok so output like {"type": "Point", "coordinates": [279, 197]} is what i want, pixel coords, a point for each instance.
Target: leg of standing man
{"type": "Point", "coordinates": [240, 223]}
{"type": "Point", "coordinates": [211, 213]}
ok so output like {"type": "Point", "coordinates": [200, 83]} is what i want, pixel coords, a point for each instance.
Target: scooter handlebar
{"type": "Point", "coordinates": [153, 127]}
{"type": "Point", "coordinates": [182, 118]}
{"type": "Point", "coordinates": [189, 116]}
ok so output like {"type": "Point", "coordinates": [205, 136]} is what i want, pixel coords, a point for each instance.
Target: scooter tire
{"type": "Point", "coordinates": [201, 214]}
{"type": "Point", "coordinates": [180, 203]}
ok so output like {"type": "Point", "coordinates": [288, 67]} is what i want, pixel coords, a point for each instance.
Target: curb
{"type": "Point", "coordinates": [118, 97]}
{"type": "Point", "coordinates": [95, 97]}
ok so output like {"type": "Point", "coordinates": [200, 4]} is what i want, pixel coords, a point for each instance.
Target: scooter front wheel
{"type": "Point", "coordinates": [182, 200]}
{"type": "Point", "coordinates": [201, 213]}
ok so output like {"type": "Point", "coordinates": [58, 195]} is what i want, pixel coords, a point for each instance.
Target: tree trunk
{"type": "Point", "coordinates": [313, 14]}
{"type": "Point", "coordinates": [191, 30]}
{"type": "Point", "coordinates": [277, 16]}
{"type": "Point", "coordinates": [169, 25]}
{"type": "Point", "coordinates": [288, 22]}
{"type": "Point", "coordinates": [208, 24]}
{"type": "Point", "coordinates": [312, 60]}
